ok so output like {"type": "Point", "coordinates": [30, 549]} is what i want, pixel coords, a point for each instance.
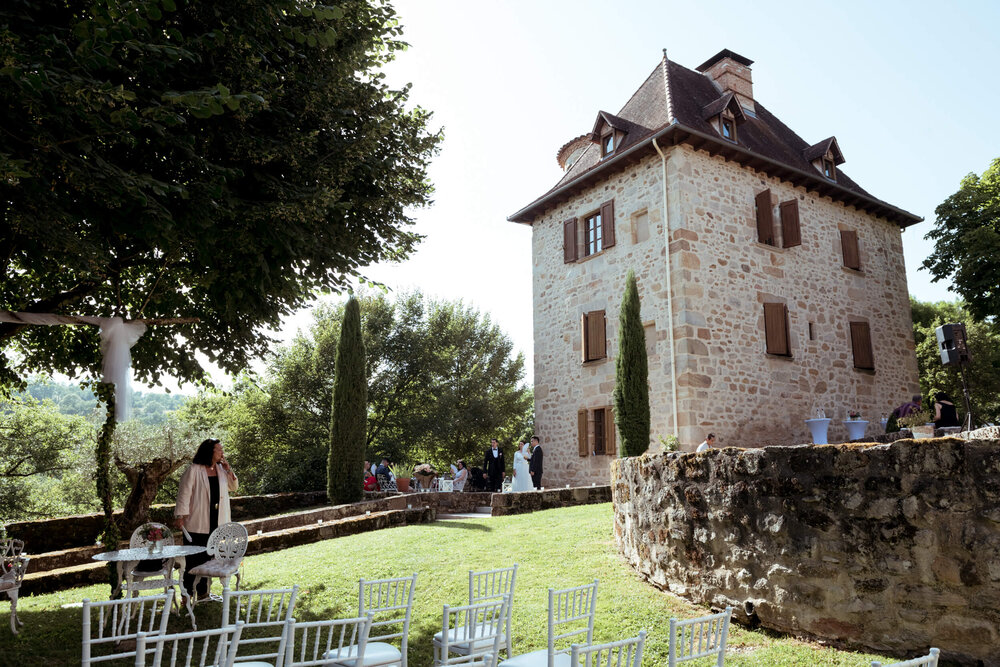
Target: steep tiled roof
{"type": "Point", "coordinates": [765, 143]}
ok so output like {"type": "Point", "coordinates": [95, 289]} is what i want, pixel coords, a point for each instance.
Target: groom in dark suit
{"type": "Point", "coordinates": [494, 467]}
{"type": "Point", "coordinates": [535, 465]}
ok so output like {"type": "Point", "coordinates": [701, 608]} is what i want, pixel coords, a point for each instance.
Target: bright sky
{"type": "Point", "coordinates": [907, 88]}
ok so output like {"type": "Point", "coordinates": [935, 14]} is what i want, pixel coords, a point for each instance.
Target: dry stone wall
{"type": "Point", "coordinates": [895, 547]}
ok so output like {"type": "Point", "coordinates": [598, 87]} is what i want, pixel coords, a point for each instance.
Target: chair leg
{"type": "Point", "coordinates": [239, 578]}
{"type": "Point", "coordinates": [193, 593]}
{"type": "Point", "coordinates": [14, 620]}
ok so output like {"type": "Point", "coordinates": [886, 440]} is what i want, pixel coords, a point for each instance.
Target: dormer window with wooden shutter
{"type": "Point", "coordinates": [608, 143]}
{"type": "Point", "coordinates": [825, 156]}
{"type": "Point", "coordinates": [725, 114]}
{"type": "Point", "coordinates": [728, 128]}
{"type": "Point", "coordinates": [594, 330]}
{"type": "Point", "coordinates": [609, 132]}
{"type": "Point", "coordinates": [849, 246]}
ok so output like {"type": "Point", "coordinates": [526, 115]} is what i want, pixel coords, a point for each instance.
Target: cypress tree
{"type": "Point", "coordinates": [349, 422]}
{"type": "Point", "coordinates": [631, 375]}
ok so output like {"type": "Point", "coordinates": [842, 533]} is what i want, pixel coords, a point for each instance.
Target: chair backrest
{"type": "Point", "coordinates": [624, 653]}
{"type": "Point", "coordinates": [478, 628]}
{"type": "Point", "coordinates": [228, 542]}
{"type": "Point", "coordinates": [320, 642]}
{"type": "Point", "coordinates": [139, 539]}
{"type": "Point", "coordinates": [191, 649]}
{"type": "Point", "coordinates": [106, 623]}
{"type": "Point", "coordinates": [699, 637]}
{"type": "Point", "coordinates": [446, 485]}
{"type": "Point", "coordinates": [571, 614]}
{"type": "Point", "coordinates": [385, 483]}
{"type": "Point", "coordinates": [493, 585]}
{"type": "Point", "coordinates": [10, 547]}
{"type": "Point", "coordinates": [391, 601]}
{"type": "Point", "coordinates": [265, 614]}
{"type": "Point", "coordinates": [929, 660]}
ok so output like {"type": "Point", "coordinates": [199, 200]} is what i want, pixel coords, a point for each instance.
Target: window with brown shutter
{"type": "Point", "coordinates": [596, 432]}
{"type": "Point", "coordinates": [861, 344]}
{"type": "Point", "coordinates": [765, 218]}
{"type": "Point", "coordinates": [569, 241]}
{"type": "Point", "coordinates": [849, 243]}
{"type": "Point", "coordinates": [583, 442]}
{"type": "Point", "coordinates": [594, 336]}
{"type": "Point", "coordinates": [609, 432]}
{"type": "Point", "coordinates": [776, 329]}
{"type": "Point", "coordinates": [600, 431]}
{"type": "Point", "coordinates": [791, 235]}
{"type": "Point", "coordinates": [608, 222]}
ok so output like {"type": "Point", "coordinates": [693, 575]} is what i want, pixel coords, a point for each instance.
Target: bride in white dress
{"type": "Point", "coordinates": [522, 478]}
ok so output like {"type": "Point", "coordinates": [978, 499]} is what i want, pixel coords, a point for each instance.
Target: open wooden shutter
{"type": "Point", "coordinates": [765, 218]}
{"type": "Point", "coordinates": [849, 242]}
{"type": "Point", "coordinates": [791, 235]}
{"type": "Point", "coordinates": [608, 222]}
{"type": "Point", "coordinates": [569, 241]}
{"type": "Point", "coordinates": [776, 328]}
{"type": "Point", "coordinates": [581, 421]}
{"type": "Point", "coordinates": [598, 335]}
{"type": "Point", "coordinates": [861, 344]}
{"type": "Point", "coordinates": [609, 432]}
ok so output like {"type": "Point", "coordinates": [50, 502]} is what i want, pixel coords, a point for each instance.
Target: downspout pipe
{"type": "Point", "coordinates": [670, 291]}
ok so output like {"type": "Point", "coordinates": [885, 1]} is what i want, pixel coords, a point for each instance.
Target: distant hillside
{"type": "Point", "coordinates": [150, 408]}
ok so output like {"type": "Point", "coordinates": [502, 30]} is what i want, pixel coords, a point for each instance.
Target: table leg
{"type": "Point", "coordinates": [181, 562]}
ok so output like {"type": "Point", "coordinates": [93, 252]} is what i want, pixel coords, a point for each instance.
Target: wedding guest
{"type": "Point", "coordinates": [535, 465]}
{"type": "Point", "coordinates": [907, 409]}
{"type": "Point", "coordinates": [945, 414]}
{"type": "Point", "coordinates": [461, 476]}
{"type": "Point", "coordinates": [494, 467]}
{"type": "Point", "coordinates": [370, 484]}
{"type": "Point", "coordinates": [707, 443]}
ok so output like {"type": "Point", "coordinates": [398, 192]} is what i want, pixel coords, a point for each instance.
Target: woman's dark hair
{"type": "Point", "coordinates": [205, 451]}
{"type": "Point", "coordinates": [942, 396]}
{"type": "Point", "coordinates": [462, 463]}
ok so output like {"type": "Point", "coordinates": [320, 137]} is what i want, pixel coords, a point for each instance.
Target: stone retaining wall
{"type": "Point", "coordinates": [532, 501]}
{"type": "Point", "coordinates": [893, 547]}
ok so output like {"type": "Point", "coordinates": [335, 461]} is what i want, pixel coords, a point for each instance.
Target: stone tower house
{"type": "Point", "coordinates": [771, 284]}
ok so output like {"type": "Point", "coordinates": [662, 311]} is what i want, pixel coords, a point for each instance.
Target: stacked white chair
{"type": "Point", "coordinates": [227, 545]}
{"type": "Point", "coordinates": [190, 649]}
{"type": "Point", "coordinates": [108, 625]}
{"type": "Point", "coordinates": [494, 585]}
{"type": "Point", "coordinates": [700, 637]}
{"type": "Point", "coordinates": [337, 643]}
{"type": "Point", "coordinates": [391, 603]}
{"type": "Point", "coordinates": [624, 653]}
{"type": "Point", "coordinates": [265, 615]}
{"type": "Point", "coordinates": [571, 614]}
{"type": "Point", "coordinates": [475, 630]}
{"type": "Point", "coordinates": [13, 564]}
{"type": "Point", "coordinates": [929, 660]}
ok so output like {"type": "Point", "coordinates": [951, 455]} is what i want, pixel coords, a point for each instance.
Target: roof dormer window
{"type": "Point", "coordinates": [609, 132]}
{"type": "Point", "coordinates": [608, 144]}
{"type": "Point", "coordinates": [825, 156]}
{"type": "Point", "coordinates": [724, 115]}
{"type": "Point", "coordinates": [728, 128]}
{"type": "Point", "coordinates": [829, 169]}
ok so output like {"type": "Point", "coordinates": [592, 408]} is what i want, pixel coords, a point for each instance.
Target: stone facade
{"type": "Point", "coordinates": [891, 547]}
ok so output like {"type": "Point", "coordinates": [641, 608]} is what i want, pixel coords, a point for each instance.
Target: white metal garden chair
{"type": "Point", "coordinates": [391, 603]}
{"type": "Point", "coordinates": [200, 648]}
{"type": "Point", "coordinates": [929, 660]}
{"type": "Point", "coordinates": [13, 564]}
{"type": "Point", "coordinates": [338, 643]}
{"type": "Point", "coordinates": [110, 627]}
{"type": "Point", "coordinates": [623, 653]}
{"type": "Point", "coordinates": [472, 632]}
{"type": "Point", "coordinates": [386, 483]}
{"type": "Point", "coordinates": [446, 485]}
{"type": "Point", "coordinates": [699, 638]}
{"type": "Point", "coordinates": [227, 545]}
{"type": "Point", "coordinates": [571, 614]}
{"type": "Point", "coordinates": [141, 579]}
{"type": "Point", "coordinates": [265, 614]}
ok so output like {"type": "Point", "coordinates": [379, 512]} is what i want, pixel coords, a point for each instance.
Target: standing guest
{"type": "Point", "coordinates": [945, 414]}
{"type": "Point", "coordinates": [535, 466]}
{"type": "Point", "coordinates": [461, 476]}
{"type": "Point", "coordinates": [203, 503]}
{"type": "Point", "coordinates": [494, 467]}
{"type": "Point", "coordinates": [907, 409]}
{"type": "Point", "coordinates": [707, 443]}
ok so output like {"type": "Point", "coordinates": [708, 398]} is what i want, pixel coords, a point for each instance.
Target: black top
{"type": "Point", "coordinates": [949, 416]}
{"type": "Point", "coordinates": [213, 502]}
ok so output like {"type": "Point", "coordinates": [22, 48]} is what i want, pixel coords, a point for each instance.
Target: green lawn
{"type": "Point", "coordinates": [558, 548]}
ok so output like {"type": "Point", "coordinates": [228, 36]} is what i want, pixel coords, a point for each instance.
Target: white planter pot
{"type": "Point", "coordinates": [818, 428]}
{"type": "Point", "coordinates": [855, 428]}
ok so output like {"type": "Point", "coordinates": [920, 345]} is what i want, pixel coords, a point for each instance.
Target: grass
{"type": "Point", "coordinates": [558, 548]}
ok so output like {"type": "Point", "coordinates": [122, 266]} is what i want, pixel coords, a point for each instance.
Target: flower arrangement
{"type": "Point", "coordinates": [853, 415]}
{"type": "Point", "coordinates": [154, 533]}
{"type": "Point", "coordinates": [916, 419]}
{"type": "Point", "coordinates": [424, 469]}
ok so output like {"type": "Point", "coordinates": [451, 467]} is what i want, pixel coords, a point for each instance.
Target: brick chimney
{"type": "Point", "coordinates": [731, 72]}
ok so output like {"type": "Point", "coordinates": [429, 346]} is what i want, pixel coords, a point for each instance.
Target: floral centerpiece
{"type": "Point", "coordinates": [853, 415]}
{"type": "Point", "coordinates": [425, 474]}
{"type": "Point", "coordinates": [154, 536]}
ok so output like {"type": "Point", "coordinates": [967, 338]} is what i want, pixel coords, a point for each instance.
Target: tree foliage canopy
{"type": "Point", "coordinates": [631, 393]}
{"type": "Point", "coordinates": [349, 421]}
{"type": "Point", "coordinates": [966, 239]}
{"type": "Point", "coordinates": [212, 159]}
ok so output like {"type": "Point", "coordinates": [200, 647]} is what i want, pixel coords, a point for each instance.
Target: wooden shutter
{"type": "Point", "coordinates": [608, 223]}
{"type": "Point", "coordinates": [861, 343]}
{"type": "Point", "coordinates": [849, 242]}
{"type": "Point", "coordinates": [776, 328]}
{"type": "Point", "coordinates": [595, 336]}
{"type": "Point", "coordinates": [791, 235]}
{"type": "Point", "coordinates": [609, 432]}
{"type": "Point", "coordinates": [581, 421]}
{"type": "Point", "coordinates": [569, 241]}
{"type": "Point", "coordinates": [765, 218]}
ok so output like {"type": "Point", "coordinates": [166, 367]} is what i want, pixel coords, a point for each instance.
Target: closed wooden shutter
{"type": "Point", "coordinates": [594, 336]}
{"type": "Point", "coordinates": [791, 235]}
{"type": "Point", "coordinates": [765, 218]}
{"type": "Point", "coordinates": [849, 242]}
{"type": "Point", "coordinates": [609, 432]}
{"type": "Point", "coordinates": [608, 222]}
{"type": "Point", "coordinates": [776, 328]}
{"type": "Point", "coordinates": [569, 241]}
{"type": "Point", "coordinates": [861, 343]}
{"type": "Point", "coordinates": [581, 421]}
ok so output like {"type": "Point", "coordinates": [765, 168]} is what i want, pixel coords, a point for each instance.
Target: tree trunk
{"type": "Point", "coordinates": [145, 480]}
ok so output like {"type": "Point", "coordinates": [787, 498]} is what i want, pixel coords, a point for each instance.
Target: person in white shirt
{"type": "Point", "coordinates": [708, 443]}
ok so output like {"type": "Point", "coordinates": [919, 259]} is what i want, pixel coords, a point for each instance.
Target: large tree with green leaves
{"type": "Point", "coordinates": [966, 239]}
{"type": "Point", "coordinates": [631, 395]}
{"type": "Point", "coordinates": [349, 422]}
{"type": "Point", "coordinates": [212, 159]}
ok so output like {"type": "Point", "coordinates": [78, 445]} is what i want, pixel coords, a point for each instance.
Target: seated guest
{"type": "Point", "coordinates": [461, 476]}
{"type": "Point", "coordinates": [907, 409]}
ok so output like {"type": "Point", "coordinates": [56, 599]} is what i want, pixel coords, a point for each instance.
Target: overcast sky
{"type": "Point", "coordinates": [907, 88]}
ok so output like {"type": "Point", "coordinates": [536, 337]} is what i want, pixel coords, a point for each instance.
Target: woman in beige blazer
{"type": "Point", "coordinates": [203, 502]}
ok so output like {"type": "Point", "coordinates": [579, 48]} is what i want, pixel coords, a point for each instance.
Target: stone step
{"type": "Point", "coordinates": [484, 509]}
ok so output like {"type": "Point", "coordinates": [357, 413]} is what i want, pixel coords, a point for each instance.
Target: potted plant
{"type": "Point", "coordinates": [919, 423]}
{"type": "Point", "coordinates": [855, 425]}
{"type": "Point", "coordinates": [818, 427]}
